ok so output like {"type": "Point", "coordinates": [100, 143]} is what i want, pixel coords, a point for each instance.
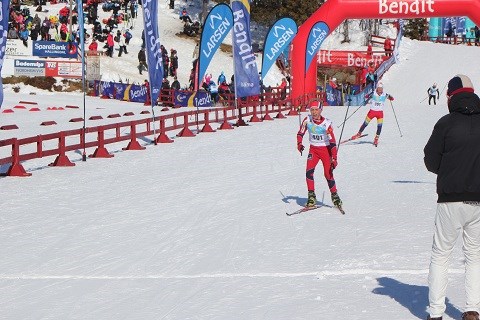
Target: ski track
{"type": "Point", "coordinates": [325, 273]}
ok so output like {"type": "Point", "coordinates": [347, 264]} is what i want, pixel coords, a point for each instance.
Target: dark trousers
{"type": "Point", "coordinates": [122, 49]}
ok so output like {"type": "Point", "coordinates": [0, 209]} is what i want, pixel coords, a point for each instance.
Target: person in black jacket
{"type": "Point", "coordinates": [142, 60]}
{"type": "Point", "coordinates": [453, 154]}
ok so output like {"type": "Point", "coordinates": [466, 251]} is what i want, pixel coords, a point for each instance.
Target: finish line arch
{"type": "Point", "coordinates": [333, 12]}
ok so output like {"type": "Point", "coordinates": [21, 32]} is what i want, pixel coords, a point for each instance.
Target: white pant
{"type": "Point", "coordinates": [450, 219]}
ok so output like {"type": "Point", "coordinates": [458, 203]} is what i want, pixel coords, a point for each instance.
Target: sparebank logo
{"type": "Point", "coordinates": [406, 7]}
{"type": "Point", "coordinates": [181, 97]}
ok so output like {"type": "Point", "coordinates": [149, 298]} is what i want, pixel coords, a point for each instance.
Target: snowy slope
{"type": "Point", "coordinates": [197, 229]}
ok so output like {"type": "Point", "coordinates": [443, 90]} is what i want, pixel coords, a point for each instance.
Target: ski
{"type": "Point", "coordinates": [350, 139]}
{"type": "Point", "coordinates": [302, 210]}
{"type": "Point", "coordinates": [306, 209]}
{"type": "Point", "coordinates": [340, 209]}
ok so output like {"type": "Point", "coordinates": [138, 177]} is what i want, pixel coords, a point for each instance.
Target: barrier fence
{"type": "Point", "coordinates": [259, 108]}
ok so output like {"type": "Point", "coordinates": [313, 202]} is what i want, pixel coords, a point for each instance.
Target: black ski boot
{"type": "Point", "coordinates": [336, 200]}
{"type": "Point", "coordinates": [312, 199]}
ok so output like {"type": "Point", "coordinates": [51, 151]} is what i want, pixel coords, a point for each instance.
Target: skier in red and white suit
{"type": "Point", "coordinates": [323, 148]}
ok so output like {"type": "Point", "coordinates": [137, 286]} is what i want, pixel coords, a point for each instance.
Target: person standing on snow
{"type": "Point", "coordinates": [453, 153]}
{"type": "Point", "coordinates": [323, 147]}
{"type": "Point", "coordinates": [388, 47]}
{"type": "Point", "coordinates": [222, 78]}
{"type": "Point", "coordinates": [432, 92]}
{"type": "Point", "coordinates": [376, 103]}
{"type": "Point", "coordinates": [142, 60]}
{"type": "Point", "coordinates": [122, 46]}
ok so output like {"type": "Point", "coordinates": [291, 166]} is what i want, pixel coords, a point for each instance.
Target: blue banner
{"type": "Point", "coordinates": [216, 26]}
{"type": "Point", "coordinates": [277, 40]}
{"type": "Point", "coordinates": [119, 89]}
{"type": "Point", "coordinates": [333, 96]}
{"type": "Point", "coordinates": [317, 35]}
{"type": "Point", "coordinates": [55, 49]}
{"type": "Point", "coordinates": [4, 14]}
{"type": "Point", "coordinates": [199, 99]}
{"type": "Point", "coordinates": [461, 21]}
{"type": "Point", "coordinates": [105, 89]}
{"type": "Point", "coordinates": [247, 80]}
{"type": "Point", "coordinates": [81, 23]}
{"type": "Point", "coordinates": [135, 93]}
{"type": "Point", "coordinates": [154, 53]}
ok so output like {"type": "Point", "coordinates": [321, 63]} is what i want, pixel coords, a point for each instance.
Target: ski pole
{"type": "Point", "coordinates": [401, 135]}
{"type": "Point", "coordinates": [424, 99]}
{"type": "Point", "coordinates": [443, 88]}
{"type": "Point", "coordinates": [349, 115]}
{"type": "Point", "coordinates": [341, 132]}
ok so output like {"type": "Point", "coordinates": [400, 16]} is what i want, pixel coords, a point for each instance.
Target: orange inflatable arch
{"type": "Point", "coordinates": [333, 12]}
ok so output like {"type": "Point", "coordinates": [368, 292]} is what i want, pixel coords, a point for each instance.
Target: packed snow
{"type": "Point", "coordinates": [197, 229]}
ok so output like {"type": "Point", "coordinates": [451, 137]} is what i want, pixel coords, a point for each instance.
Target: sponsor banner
{"type": "Point", "coordinates": [358, 59]}
{"type": "Point", "coordinates": [385, 66]}
{"type": "Point", "coordinates": [29, 68]}
{"type": "Point", "coordinates": [81, 23]}
{"type": "Point", "coordinates": [457, 24]}
{"type": "Point", "coordinates": [317, 35]}
{"type": "Point", "coordinates": [154, 53]}
{"type": "Point", "coordinates": [93, 67]}
{"type": "Point", "coordinates": [119, 90]}
{"type": "Point", "coordinates": [105, 89]}
{"type": "Point", "coordinates": [216, 26]}
{"type": "Point", "coordinates": [333, 96]}
{"type": "Point", "coordinates": [406, 8]}
{"type": "Point", "coordinates": [63, 69]}
{"type": "Point", "coordinates": [55, 49]}
{"type": "Point", "coordinates": [136, 93]}
{"type": "Point", "coordinates": [16, 47]}
{"type": "Point", "coordinates": [247, 80]}
{"type": "Point", "coordinates": [200, 99]}
{"type": "Point", "coordinates": [361, 98]}
{"type": "Point", "coordinates": [277, 40]}
{"type": "Point", "coordinates": [4, 14]}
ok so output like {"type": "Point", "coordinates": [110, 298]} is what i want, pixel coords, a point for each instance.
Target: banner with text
{"type": "Point", "coordinates": [278, 38]}
{"type": "Point", "coordinates": [247, 80]}
{"type": "Point", "coordinates": [15, 47]}
{"type": "Point", "coordinates": [47, 68]}
{"type": "Point", "coordinates": [317, 35]}
{"type": "Point", "coordinates": [121, 91]}
{"type": "Point", "coordinates": [217, 25]}
{"type": "Point", "coordinates": [152, 41]}
{"type": "Point", "coordinates": [357, 59]}
{"type": "Point", "coordinates": [54, 49]}
{"type": "Point", "coordinates": [4, 14]}
{"type": "Point", "coordinates": [81, 29]}
{"type": "Point", "coordinates": [199, 99]}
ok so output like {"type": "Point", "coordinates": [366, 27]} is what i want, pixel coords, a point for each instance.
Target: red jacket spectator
{"type": "Point", "coordinates": [64, 28]}
{"type": "Point", "coordinates": [369, 50]}
{"type": "Point", "coordinates": [110, 41]}
{"type": "Point", "coordinates": [387, 45]}
{"type": "Point", "coordinates": [64, 12]}
{"type": "Point", "coordinates": [93, 46]}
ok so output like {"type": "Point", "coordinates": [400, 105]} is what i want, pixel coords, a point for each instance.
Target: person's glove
{"type": "Point", "coordinates": [300, 147]}
{"type": "Point", "coordinates": [391, 98]}
{"type": "Point", "coordinates": [333, 163]}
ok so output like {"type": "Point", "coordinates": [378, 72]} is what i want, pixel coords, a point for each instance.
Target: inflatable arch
{"type": "Point", "coordinates": [333, 12]}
